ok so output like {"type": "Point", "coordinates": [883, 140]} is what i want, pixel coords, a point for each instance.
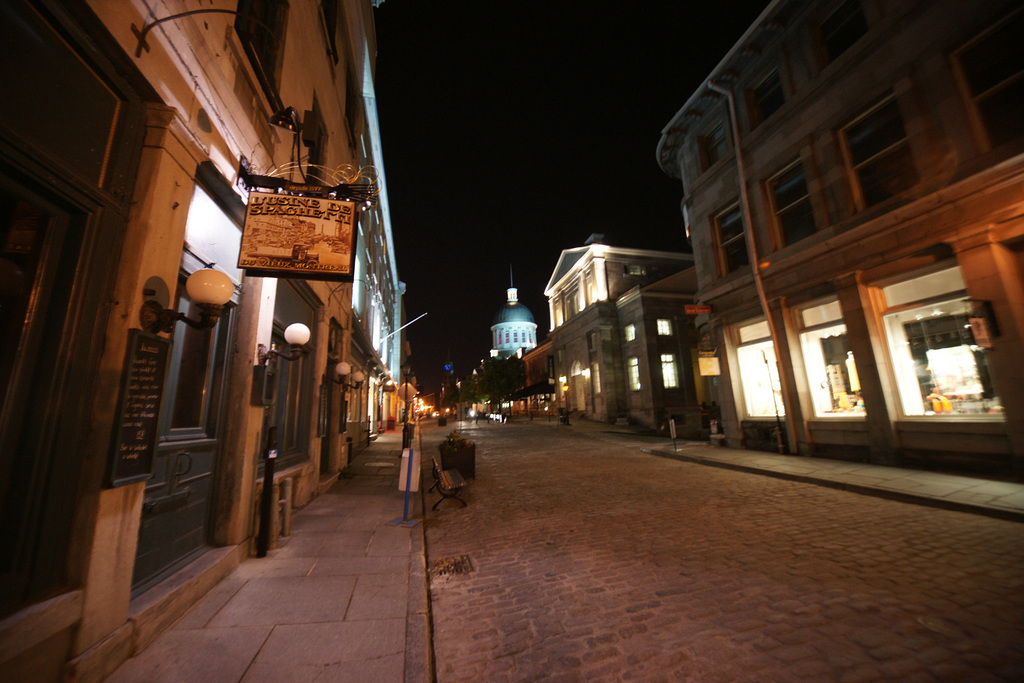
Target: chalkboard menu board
{"type": "Point", "coordinates": [139, 409]}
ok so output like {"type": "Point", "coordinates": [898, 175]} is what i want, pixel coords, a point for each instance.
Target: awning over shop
{"type": "Point", "coordinates": [544, 387]}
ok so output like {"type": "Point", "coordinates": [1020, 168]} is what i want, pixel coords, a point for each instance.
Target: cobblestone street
{"type": "Point", "coordinates": [591, 560]}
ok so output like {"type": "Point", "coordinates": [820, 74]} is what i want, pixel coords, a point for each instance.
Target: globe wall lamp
{"type": "Point", "coordinates": [343, 370]}
{"type": "Point", "coordinates": [296, 335]}
{"type": "Point", "coordinates": [209, 289]}
{"type": "Point", "coordinates": [348, 379]}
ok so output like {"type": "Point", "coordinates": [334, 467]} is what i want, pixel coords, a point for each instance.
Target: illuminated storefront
{"type": "Point", "coordinates": [831, 369]}
{"type": "Point", "coordinates": [940, 371]}
{"type": "Point", "coordinates": [758, 371]}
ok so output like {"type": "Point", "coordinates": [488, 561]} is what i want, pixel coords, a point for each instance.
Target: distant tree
{"type": "Point", "coordinates": [469, 389]}
{"type": "Point", "coordinates": [501, 378]}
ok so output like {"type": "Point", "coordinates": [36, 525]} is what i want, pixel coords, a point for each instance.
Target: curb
{"type": "Point", "coordinates": [900, 496]}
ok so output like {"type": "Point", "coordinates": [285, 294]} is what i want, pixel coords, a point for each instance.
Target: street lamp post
{"type": "Point", "coordinates": [407, 392]}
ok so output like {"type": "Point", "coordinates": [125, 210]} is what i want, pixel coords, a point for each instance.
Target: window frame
{"type": "Point", "coordinates": [714, 144]}
{"type": "Point", "coordinates": [751, 338]}
{"type": "Point", "coordinates": [782, 234]}
{"type": "Point", "coordinates": [924, 296]}
{"type": "Point", "coordinates": [633, 373]}
{"type": "Point", "coordinates": [669, 371]}
{"type": "Point", "coordinates": [979, 125]}
{"type": "Point", "coordinates": [722, 259]}
{"type": "Point", "coordinates": [837, 388]}
{"type": "Point", "coordinates": [255, 22]}
{"type": "Point", "coordinates": [891, 150]}
{"type": "Point", "coordinates": [294, 384]}
{"type": "Point", "coordinates": [756, 97]}
{"type": "Point", "coordinates": [855, 13]}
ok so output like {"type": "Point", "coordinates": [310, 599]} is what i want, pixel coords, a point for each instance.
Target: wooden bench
{"type": "Point", "coordinates": [447, 482]}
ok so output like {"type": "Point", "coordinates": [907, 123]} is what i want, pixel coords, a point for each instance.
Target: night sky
{"type": "Point", "coordinates": [512, 131]}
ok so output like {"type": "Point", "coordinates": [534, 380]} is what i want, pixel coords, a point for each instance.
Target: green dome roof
{"type": "Point", "coordinates": [513, 311]}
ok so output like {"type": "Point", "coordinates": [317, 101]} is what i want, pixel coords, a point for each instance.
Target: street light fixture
{"type": "Point", "coordinates": [407, 392]}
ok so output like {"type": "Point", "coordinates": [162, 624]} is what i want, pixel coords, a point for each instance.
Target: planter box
{"type": "Point", "coordinates": [461, 459]}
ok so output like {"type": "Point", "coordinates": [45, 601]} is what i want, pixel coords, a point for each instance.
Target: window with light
{"type": "Point", "coordinates": [829, 363]}
{"type": "Point", "coordinates": [758, 371]}
{"type": "Point", "coordinates": [634, 374]}
{"type": "Point", "coordinates": [940, 370]}
{"type": "Point", "coordinates": [669, 371]}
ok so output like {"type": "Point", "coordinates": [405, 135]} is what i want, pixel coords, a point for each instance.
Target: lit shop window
{"type": "Point", "coordinates": [595, 375]}
{"type": "Point", "coordinates": [634, 374]}
{"type": "Point", "coordinates": [831, 370]}
{"type": "Point", "coordinates": [758, 371]}
{"type": "Point", "coordinates": [669, 373]}
{"type": "Point", "coordinates": [940, 371]}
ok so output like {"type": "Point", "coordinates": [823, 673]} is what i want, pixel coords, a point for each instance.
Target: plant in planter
{"type": "Point", "coordinates": [458, 452]}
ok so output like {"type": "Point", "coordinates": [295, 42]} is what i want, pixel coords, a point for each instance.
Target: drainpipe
{"type": "Point", "coordinates": [755, 260]}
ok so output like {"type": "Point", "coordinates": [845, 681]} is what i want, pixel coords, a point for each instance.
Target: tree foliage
{"type": "Point", "coordinates": [469, 389]}
{"type": "Point", "coordinates": [501, 378]}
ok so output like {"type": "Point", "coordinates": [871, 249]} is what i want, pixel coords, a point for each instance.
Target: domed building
{"type": "Point", "coordinates": [513, 328]}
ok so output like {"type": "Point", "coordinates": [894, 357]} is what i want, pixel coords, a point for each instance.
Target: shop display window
{"type": "Point", "coordinates": [831, 369]}
{"type": "Point", "coordinates": [759, 372]}
{"type": "Point", "coordinates": [940, 371]}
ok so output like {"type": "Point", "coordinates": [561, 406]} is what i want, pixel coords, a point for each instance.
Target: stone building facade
{"type": "Point", "coordinates": [621, 341]}
{"type": "Point", "coordinates": [853, 188]}
{"type": "Point", "coordinates": [121, 177]}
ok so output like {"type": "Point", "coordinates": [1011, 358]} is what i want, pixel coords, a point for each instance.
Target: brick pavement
{"type": "Point", "coordinates": [594, 561]}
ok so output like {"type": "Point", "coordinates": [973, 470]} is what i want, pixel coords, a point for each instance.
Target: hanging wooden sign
{"type": "Point", "coordinates": [292, 236]}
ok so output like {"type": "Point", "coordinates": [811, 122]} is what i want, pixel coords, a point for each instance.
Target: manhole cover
{"type": "Point", "coordinates": [460, 564]}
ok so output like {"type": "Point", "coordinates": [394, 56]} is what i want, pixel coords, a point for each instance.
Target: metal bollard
{"type": "Point", "coordinates": [286, 506]}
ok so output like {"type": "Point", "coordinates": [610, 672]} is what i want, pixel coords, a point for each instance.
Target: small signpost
{"type": "Point", "coordinates": [406, 483]}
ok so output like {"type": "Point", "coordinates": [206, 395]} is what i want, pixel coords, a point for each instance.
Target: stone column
{"type": "Point", "coordinates": [994, 273]}
{"type": "Point", "coordinates": [872, 358]}
{"type": "Point", "coordinates": [799, 440]}
{"type": "Point", "coordinates": [151, 248]}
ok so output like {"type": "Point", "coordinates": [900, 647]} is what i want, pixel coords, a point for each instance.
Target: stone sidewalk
{"type": "Point", "coordinates": [343, 598]}
{"type": "Point", "coordinates": [1001, 499]}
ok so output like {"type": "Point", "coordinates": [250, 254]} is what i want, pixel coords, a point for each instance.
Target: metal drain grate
{"type": "Point", "coordinates": [459, 564]}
